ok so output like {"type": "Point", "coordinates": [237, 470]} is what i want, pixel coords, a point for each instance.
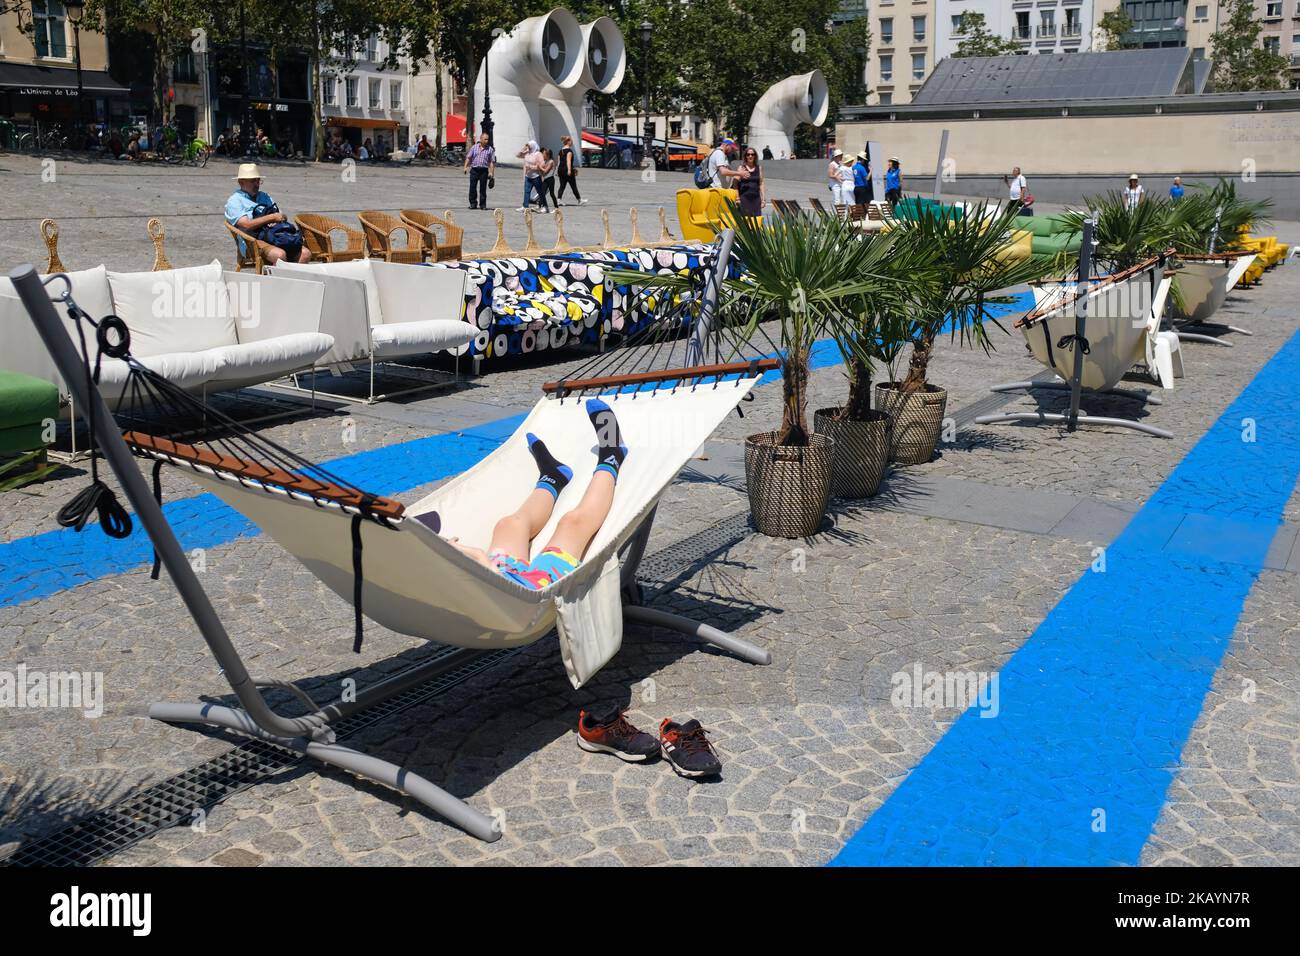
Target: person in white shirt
{"type": "Point", "coordinates": [717, 165]}
{"type": "Point", "coordinates": [1134, 193]}
{"type": "Point", "coordinates": [844, 195]}
{"type": "Point", "coordinates": [1015, 184]}
{"type": "Point", "coordinates": [833, 174]}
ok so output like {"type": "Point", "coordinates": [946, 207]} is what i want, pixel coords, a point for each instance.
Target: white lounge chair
{"type": "Point", "coordinates": [1203, 283]}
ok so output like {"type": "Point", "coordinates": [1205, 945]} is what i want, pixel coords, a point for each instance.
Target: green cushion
{"type": "Point", "coordinates": [26, 403]}
{"type": "Point", "coordinates": [1051, 245]}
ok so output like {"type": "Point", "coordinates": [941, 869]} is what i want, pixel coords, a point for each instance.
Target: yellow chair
{"type": "Point", "coordinates": [699, 212]}
{"type": "Point", "coordinates": [1018, 248]}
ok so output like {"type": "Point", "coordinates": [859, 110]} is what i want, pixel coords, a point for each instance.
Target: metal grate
{"type": "Point", "coordinates": [172, 802]}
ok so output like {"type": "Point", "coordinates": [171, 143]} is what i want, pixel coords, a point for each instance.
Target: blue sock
{"type": "Point", "coordinates": [610, 450]}
{"type": "Point", "coordinates": [552, 475]}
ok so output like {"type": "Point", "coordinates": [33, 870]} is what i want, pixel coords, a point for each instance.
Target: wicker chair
{"type": "Point", "coordinates": [379, 228]}
{"type": "Point", "coordinates": [251, 256]}
{"type": "Point", "coordinates": [427, 224]}
{"type": "Point", "coordinates": [318, 235]}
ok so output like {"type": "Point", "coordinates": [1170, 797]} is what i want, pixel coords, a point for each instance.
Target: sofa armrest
{"type": "Point", "coordinates": [412, 293]}
{"type": "Point", "coordinates": [265, 306]}
{"type": "Point", "coordinates": [343, 312]}
{"type": "Point", "coordinates": [23, 349]}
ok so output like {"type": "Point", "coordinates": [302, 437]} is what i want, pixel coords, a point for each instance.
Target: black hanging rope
{"type": "Point", "coordinates": [358, 580]}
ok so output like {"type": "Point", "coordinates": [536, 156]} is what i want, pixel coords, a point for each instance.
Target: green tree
{"type": "Point", "coordinates": [979, 40]}
{"type": "Point", "coordinates": [1111, 30]}
{"type": "Point", "coordinates": [169, 23]}
{"type": "Point", "coordinates": [1241, 62]}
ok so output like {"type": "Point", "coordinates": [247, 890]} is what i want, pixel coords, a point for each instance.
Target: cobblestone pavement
{"type": "Point", "coordinates": [811, 744]}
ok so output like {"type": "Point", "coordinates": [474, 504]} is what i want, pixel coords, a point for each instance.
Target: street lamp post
{"type": "Point", "coordinates": [487, 99]}
{"type": "Point", "coordinates": [647, 30]}
{"type": "Point", "coordinates": [246, 132]}
{"type": "Point", "coordinates": [75, 10]}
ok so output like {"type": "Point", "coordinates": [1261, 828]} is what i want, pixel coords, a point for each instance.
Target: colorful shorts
{"type": "Point", "coordinates": [544, 570]}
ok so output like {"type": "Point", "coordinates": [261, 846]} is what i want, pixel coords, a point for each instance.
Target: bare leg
{"type": "Point", "coordinates": [575, 530]}
{"type": "Point", "coordinates": [515, 532]}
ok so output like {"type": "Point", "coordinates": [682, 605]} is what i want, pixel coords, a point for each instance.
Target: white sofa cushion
{"type": "Point", "coordinates": [266, 359]}
{"type": "Point", "coordinates": [356, 269]}
{"type": "Point", "coordinates": [412, 338]}
{"type": "Point", "coordinates": [189, 370]}
{"type": "Point", "coordinates": [89, 289]}
{"type": "Point", "coordinates": [180, 310]}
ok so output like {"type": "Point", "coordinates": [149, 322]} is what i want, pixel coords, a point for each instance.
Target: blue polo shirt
{"type": "Point", "coordinates": [1176, 192]}
{"type": "Point", "coordinates": [860, 178]}
{"type": "Point", "coordinates": [893, 178]}
{"type": "Point", "coordinates": [240, 205]}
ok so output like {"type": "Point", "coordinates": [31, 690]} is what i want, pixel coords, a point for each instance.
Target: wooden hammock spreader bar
{"type": "Point", "coordinates": [1052, 306]}
{"type": "Point", "coordinates": [753, 366]}
{"type": "Point", "coordinates": [241, 468]}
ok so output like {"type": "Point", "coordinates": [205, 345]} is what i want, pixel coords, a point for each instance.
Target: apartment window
{"type": "Point", "coordinates": [918, 29]}
{"type": "Point", "coordinates": [1273, 44]}
{"type": "Point", "coordinates": [918, 66]}
{"type": "Point", "coordinates": [350, 89]}
{"type": "Point", "coordinates": [621, 128]}
{"type": "Point", "coordinates": [886, 99]}
{"type": "Point", "coordinates": [886, 29]}
{"type": "Point", "coordinates": [372, 48]}
{"type": "Point", "coordinates": [395, 95]}
{"type": "Point", "coordinates": [886, 67]}
{"type": "Point", "coordinates": [375, 93]}
{"type": "Point", "coordinates": [1072, 26]}
{"type": "Point", "coordinates": [1273, 8]}
{"type": "Point", "coordinates": [675, 129]}
{"type": "Point", "coordinates": [1202, 13]}
{"type": "Point", "coordinates": [956, 23]}
{"type": "Point", "coordinates": [50, 29]}
{"type": "Point", "coordinates": [330, 90]}
{"type": "Point", "coordinates": [183, 70]}
{"type": "Point", "coordinates": [1021, 31]}
{"type": "Point", "coordinates": [1198, 53]}
{"type": "Point", "coordinates": [1047, 23]}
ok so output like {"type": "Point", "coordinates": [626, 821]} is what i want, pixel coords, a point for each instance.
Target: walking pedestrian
{"type": "Point", "coordinates": [721, 175]}
{"type": "Point", "coordinates": [533, 160]}
{"type": "Point", "coordinates": [1018, 191]}
{"type": "Point", "coordinates": [1176, 190]}
{"type": "Point", "coordinates": [569, 171]}
{"type": "Point", "coordinates": [549, 165]}
{"type": "Point", "coordinates": [481, 165]}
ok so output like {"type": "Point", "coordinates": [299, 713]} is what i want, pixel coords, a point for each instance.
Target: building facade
{"type": "Point", "coordinates": [1281, 21]}
{"type": "Point", "coordinates": [38, 70]}
{"type": "Point", "coordinates": [365, 97]}
{"type": "Point", "coordinates": [902, 49]}
{"type": "Point", "coordinates": [1037, 26]}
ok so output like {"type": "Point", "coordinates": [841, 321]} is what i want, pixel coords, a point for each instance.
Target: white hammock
{"type": "Point", "coordinates": [416, 582]}
{"type": "Point", "coordinates": [1123, 311]}
{"type": "Point", "coordinates": [1204, 282]}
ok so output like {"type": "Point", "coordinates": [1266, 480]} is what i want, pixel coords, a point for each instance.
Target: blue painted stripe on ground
{"type": "Point", "coordinates": [54, 561]}
{"type": "Point", "coordinates": [1096, 706]}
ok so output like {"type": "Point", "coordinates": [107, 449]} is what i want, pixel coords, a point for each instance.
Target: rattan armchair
{"type": "Point", "coordinates": [251, 255]}
{"type": "Point", "coordinates": [318, 235]}
{"type": "Point", "coordinates": [427, 225]}
{"type": "Point", "coordinates": [379, 229]}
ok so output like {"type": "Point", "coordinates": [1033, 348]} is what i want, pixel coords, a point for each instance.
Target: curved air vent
{"type": "Point", "coordinates": [553, 50]}
{"type": "Point", "coordinates": [598, 58]}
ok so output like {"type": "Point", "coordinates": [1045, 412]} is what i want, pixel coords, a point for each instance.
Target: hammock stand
{"type": "Point", "coordinates": [1074, 416]}
{"type": "Point", "coordinates": [312, 734]}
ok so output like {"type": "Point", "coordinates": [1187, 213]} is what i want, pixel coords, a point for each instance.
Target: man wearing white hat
{"type": "Point", "coordinates": [250, 210]}
{"type": "Point", "coordinates": [1134, 193]}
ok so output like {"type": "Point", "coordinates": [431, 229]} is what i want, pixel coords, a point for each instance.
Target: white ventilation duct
{"type": "Point", "coordinates": [541, 51]}
{"type": "Point", "coordinates": [604, 61]}
{"type": "Point", "coordinates": [794, 100]}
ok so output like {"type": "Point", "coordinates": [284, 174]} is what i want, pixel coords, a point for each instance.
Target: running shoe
{"type": "Point", "coordinates": [686, 746]}
{"type": "Point", "coordinates": [608, 732]}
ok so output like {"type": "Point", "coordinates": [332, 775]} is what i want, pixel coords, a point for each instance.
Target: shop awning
{"type": "Point", "coordinates": [357, 122]}
{"type": "Point", "coordinates": [26, 79]}
{"type": "Point", "coordinates": [455, 128]}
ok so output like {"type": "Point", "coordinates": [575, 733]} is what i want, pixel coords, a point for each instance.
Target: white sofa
{"type": "Point", "coordinates": [383, 311]}
{"type": "Point", "coordinates": [201, 328]}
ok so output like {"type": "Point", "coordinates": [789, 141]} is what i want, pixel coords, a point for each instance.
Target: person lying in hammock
{"type": "Point", "coordinates": [513, 535]}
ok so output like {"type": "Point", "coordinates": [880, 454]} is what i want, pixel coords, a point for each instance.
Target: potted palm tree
{"type": "Point", "coordinates": [968, 273]}
{"type": "Point", "coordinates": [799, 277]}
{"type": "Point", "coordinates": [872, 337]}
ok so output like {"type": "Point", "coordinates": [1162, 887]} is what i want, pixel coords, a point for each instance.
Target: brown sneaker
{"type": "Point", "coordinates": [608, 732]}
{"type": "Point", "coordinates": [686, 746]}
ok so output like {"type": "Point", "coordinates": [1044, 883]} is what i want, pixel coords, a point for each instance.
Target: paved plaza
{"type": "Point", "coordinates": [960, 564]}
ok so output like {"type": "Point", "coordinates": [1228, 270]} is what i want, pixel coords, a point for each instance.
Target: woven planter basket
{"type": "Point", "coordinates": [918, 420]}
{"type": "Point", "coordinates": [788, 485]}
{"type": "Point", "coordinates": [861, 451]}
